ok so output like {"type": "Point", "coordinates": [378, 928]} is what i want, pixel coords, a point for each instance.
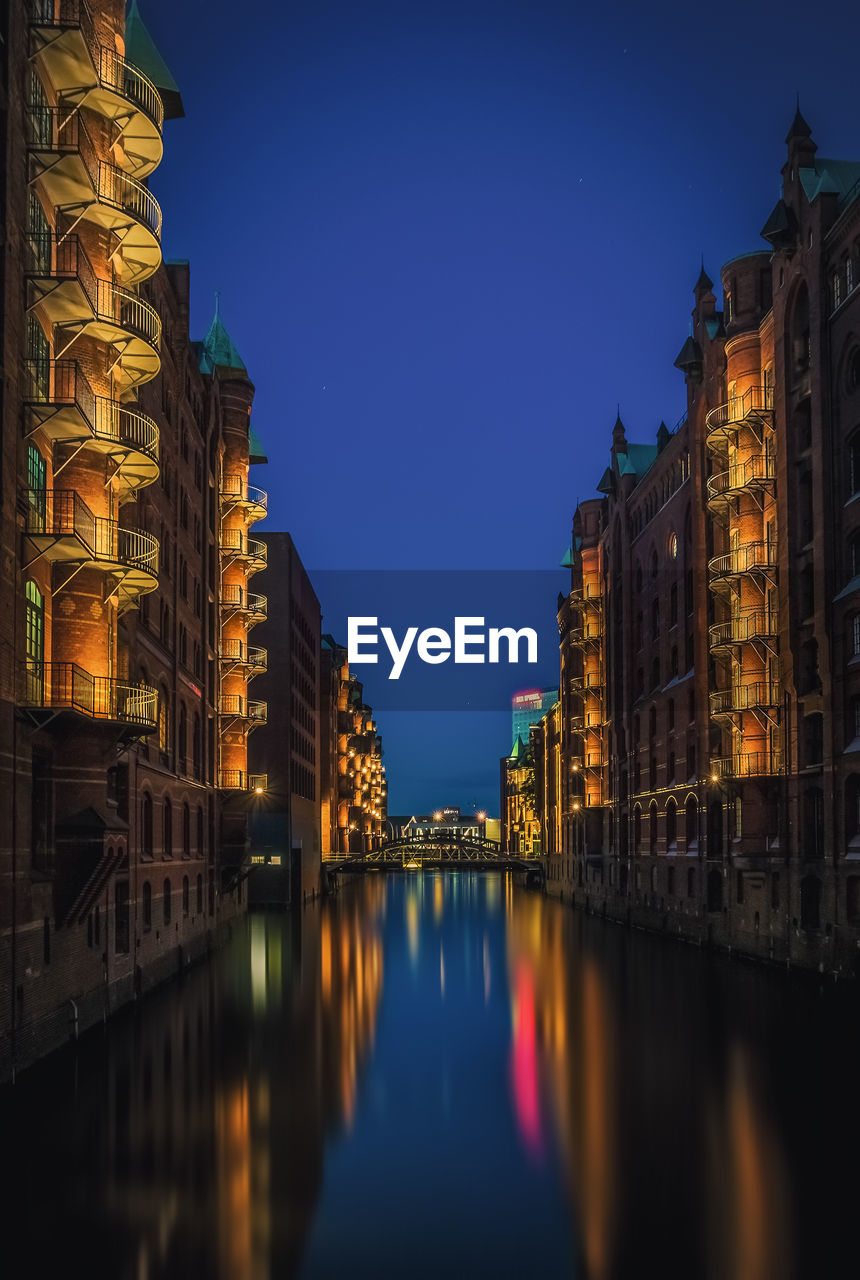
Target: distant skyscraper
{"type": "Point", "coordinates": [527, 708]}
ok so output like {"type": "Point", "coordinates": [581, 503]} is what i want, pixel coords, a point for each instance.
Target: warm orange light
{"type": "Point", "coordinates": [576, 806]}
{"type": "Point", "coordinates": [258, 790]}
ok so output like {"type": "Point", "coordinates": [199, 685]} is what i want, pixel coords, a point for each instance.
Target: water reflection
{"type": "Point", "coordinates": [528, 1091]}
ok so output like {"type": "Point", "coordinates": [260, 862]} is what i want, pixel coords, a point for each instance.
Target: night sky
{"type": "Point", "coordinates": [451, 238]}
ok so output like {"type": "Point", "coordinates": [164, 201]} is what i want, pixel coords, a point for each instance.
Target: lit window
{"type": "Point", "coordinates": [673, 545]}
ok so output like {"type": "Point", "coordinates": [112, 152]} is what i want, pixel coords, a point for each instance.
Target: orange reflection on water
{"type": "Point", "coordinates": [524, 1066]}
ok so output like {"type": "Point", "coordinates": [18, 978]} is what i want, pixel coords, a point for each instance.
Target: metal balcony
{"type": "Point", "coordinates": [237, 493]}
{"type": "Point", "coordinates": [754, 475]}
{"type": "Point", "coordinates": [235, 545]}
{"type": "Point", "coordinates": [66, 166]}
{"type": "Point", "coordinates": [747, 627]}
{"type": "Point", "coordinates": [88, 74]}
{"type": "Point", "coordinates": [54, 687]}
{"type": "Point", "coordinates": [236, 600]}
{"type": "Point", "coordinates": [745, 697]}
{"type": "Point", "coordinates": [72, 297]}
{"type": "Point", "coordinates": [752, 408]}
{"type": "Point", "coordinates": [61, 529]}
{"type": "Point", "coordinates": [585, 597]}
{"type": "Point", "coordinates": [59, 400]}
{"type": "Point", "coordinates": [754, 558]}
{"type": "Point", "coordinates": [234, 707]}
{"type": "Point", "coordinates": [239, 780]}
{"type": "Point", "coordinates": [748, 764]}
{"type": "Point", "coordinates": [237, 654]}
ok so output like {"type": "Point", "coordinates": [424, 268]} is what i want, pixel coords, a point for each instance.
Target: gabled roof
{"type": "Point", "coordinates": [830, 177]}
{"type": "Point", "coordinates": [639, 458]}
{"type": "Point", "coordinates": [518, 750]}
{"type": "Point", "coordinates": [141, 51]}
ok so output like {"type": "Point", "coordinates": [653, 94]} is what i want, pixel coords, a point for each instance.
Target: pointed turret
{"type": "Point", "coordinates": [801, 148]}
{"type": "Point", "coordinates": [218, 350]}
{"type": "Point", "coordinates": [689, 360]}
{"type": "Point", "coordinates": [704, 284]}
{"type": "Point", "coordinates": [142, 52]}
{"type": "Point", "coordinates": [619, 436]}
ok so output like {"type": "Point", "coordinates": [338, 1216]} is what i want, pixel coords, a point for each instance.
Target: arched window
{"type": "Point", "coordinates": [672, 546]}
{"type": "Point", "coordinates": [200, 831]}
{"type": "Point", "coordinates": [853, 465]}
{"type": "Point", "coordinates": [810, 902]}
{"type": "Point", "coordinates": [800, 331]}
{"type": "Point", "coordinates": [671, 825]}
{"type": "Point", "coordinates": [691, 824]}
{"type": "Point", "coordinates": [813, 823]}
{"type": "Point", "coordinates": [167, 828]}
{"type": "Point", "coordinates": [146, 825]}
{"type": "Point", "coordinates": [147, 906]}
{"type": "Point", "coordinates": [35, 624]}
{"type": "Point", "coordinates": [652, 724]}
{"type": "Point", "coordinates": [163, 720]}
{"type": "Point", "coordinates": [197, 749]}
{"type": "Point", "coordinates": [167, 903]}
{"type": "Point", "coordinates": [637, 831]}
{"type": "Point", "coordinates": [183, 739]}
{"type": "Point", "coordinates": [652, 828]}
{"type": "Point", "coordinates": [186, 831]}
{"type": "Point", "coordinates": [186, 896]}
{"type": "Point", "coordinates": [199, 895]}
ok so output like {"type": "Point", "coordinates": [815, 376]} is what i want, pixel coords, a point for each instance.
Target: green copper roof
{"type": "Point", "coordinates": [218, 349]}
{"type": "Point", "coordinates": [141, 51]}
{"type": "Point", "coordinates": [519, 749]}
{"type": "Point", "coordinates": [255, 449]}
{"type": "Point", "coordinates": [834, 177]}
{"type": "Point", "coordinates": [567, 558]}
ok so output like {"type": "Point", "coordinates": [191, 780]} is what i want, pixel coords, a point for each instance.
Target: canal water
{"type": "Point", "coordinates": [444, 1075]}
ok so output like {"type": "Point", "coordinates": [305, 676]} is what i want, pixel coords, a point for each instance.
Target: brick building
{"type": "Point", "coordinates": [125, 555]}
{"type": "Point", "coordinates": [710, 643]}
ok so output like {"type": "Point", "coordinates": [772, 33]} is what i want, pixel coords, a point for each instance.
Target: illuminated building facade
{"type": "Point", "coordinates": [362, 808]}
{"type": "Point", "coordinates": [125, 454]}
{"type": "Point", "coordinates": [285, 830]}
{"type": "Point", "coordinates": [710, 644]}
{"type": "Point", "coordinates": [527, 708]}
{"type": "Point", "coordinates": [520, 823]}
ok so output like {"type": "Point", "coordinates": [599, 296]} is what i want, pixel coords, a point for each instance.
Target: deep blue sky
{"type": "Point", "coordinates": [450, 237]}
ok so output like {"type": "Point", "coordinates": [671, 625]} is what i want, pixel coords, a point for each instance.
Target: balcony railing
{"type": "Point", "coordinates": [745, 697]}
{"type": "Point", "coordinates": [236, 490]}
{"type": "Point", "coordinates": [748, 559]}
{"type": "Point", "coordinates": [238, 545]}
{"type": "Point", "coordinates": [242, 601]}
{"type": "Point", "coordinates": [66, 686]}
{"type": "Point", "coordinates": [59, 131]}
{"type": "Point", "coordinates": [754, 403]}
{"type": "Point", "coordinates": [754, 624]}
{"type": "Point", "coordinates": [105, 303]}
{"type": "Point", "coordinates": [238, 653]}
{"type": "Point", "coordinates": [114, 73]}
{"type": "Point", "coordinates": [755, 472]}
{"type": "Point", "coordinates": [239, 780]}
{"type": "Point", "coordinates": [748, 764]}
{"type": "Point", "coordinates": [59, 384]}
{"type": "Point", "coordinates": [61, 516]}
{"type": "Point", "coordinates": [235, 706]}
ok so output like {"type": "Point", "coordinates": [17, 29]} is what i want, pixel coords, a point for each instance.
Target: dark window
{"type": "Point", "coordinates": [167, 902]}
{"type": "Point", "coordinates": [186, 896]}
{"type": "Point", "coordinates": [147, 906]}
{"type": "Point", "coordinates": [121, 918]}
